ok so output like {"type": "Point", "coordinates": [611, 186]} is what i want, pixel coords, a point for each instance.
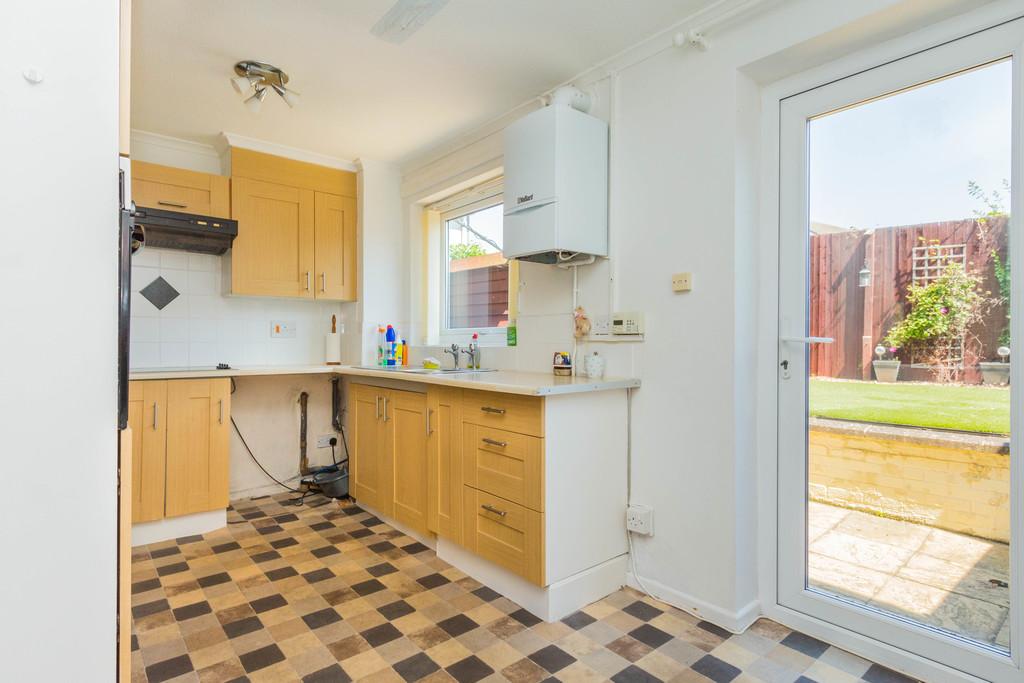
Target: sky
{"type": "Point", "coordinates": [907, 158]}
{"type": "Point", "coordinates": [487, 222]}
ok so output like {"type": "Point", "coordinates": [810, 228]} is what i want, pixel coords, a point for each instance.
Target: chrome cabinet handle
{"type": "Point", "coordinates": [176, 205]}
{"type": "Point", "coordinates": [429, 430]}
{"type": "Point", "coordinates": [220, 411]}
{"type": "Point", "coordinates": [323, 282]}
{"type": "Point", "coordinates": [496, 411]}
{"type": "Point", "coordinates": [490, 508]}
{"type": "Point", "coordinates": [308, 275]}
{"type": "Point", "coordinates": [156, 409]}
{"type": "Point", "coordinates": [385, 408]}
{"type": "Point", "coordinates": [492, 442]}
{"type": "Point", "coordinates": [378, 407]}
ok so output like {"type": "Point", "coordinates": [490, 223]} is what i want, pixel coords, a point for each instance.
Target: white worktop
{"type": "Point", "coordinates": [505, 381]}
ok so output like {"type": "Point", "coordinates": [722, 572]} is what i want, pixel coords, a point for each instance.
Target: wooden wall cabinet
{"type": "Point", "coordinates": [180, 443]}
{"type": "Point", "coordinates": [296, 228]}
{"type": "Point", "coordinates": [178, 189]}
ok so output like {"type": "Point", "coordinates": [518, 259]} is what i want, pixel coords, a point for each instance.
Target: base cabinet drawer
{"type": "Point", "coordinates": [523, 414]}
{"type": "Point", "coordinates": [503, 532]}
{"type": "Point", "coordinates": [505, 464]}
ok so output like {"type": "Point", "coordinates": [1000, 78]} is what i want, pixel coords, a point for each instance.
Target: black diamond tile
{"type": "Point", "coordinates": [196, 609]}
{"type": "Point", "coordinates": [525, 618]}
{"type": "Point", "coordinates": [326, 551]}
{"type": "Point", "coordinates": [268, 603]}
{"type": "Point", "coordinates": [812, 647]}
{"type": "Point", "coordinates": [226, 547]}
{"type": "Point", "coordinates": [552, 658]}
{"type": "Point", "coordinates": [290, 517]}
{"type": "Point", "coordinates": [256, 514]}
{"type": "Point", "coordinates": [143, 586]}
{"type": "Point", "coordinates": [367, 587]}
{"type": "Point", "coordinates": [433, 580]}
{"type": "Point", "coordinates": [269, 529]}
{"type": "Point", "coordinates": [394, 610]}
{"type": "Point", "coordinates": [321, 618]}
{"type": "Point", "coordinates": [168, 669]}
{"type": "Point", "coordinates": [242, 626]}
{"type": "Point", "coordinates": [641, 610]}
{"type": "Point", "coordinates": [135, 642]}
{"type": "Point", "coordinates": [378, 635]}
{"type": "Point", "coordinates": [283, 543]}
{"type": "Point", "coordinates": [715, 669]}
{"type": "Point", "coordinates": [416, 667]}
{"type": "Point", "coordinates": [634, 674]}
{"type": "Point", "coordinates": [266, 556]}
{"type": "Point", "coordinates": [717, 630]}
{"type": "Point", "coordinates": [469, 670]}
{"type": "Point", "coordinates": [164, 552]}
{"type": "Point", "coordinates": [879, 674]}
{"type": "Point", "coordinates": [414, 548]}
{"type": "Point", "coordinates": [487, 594]}
{"type": "Point", "coordinates": [330, 674]}
{"type": "Point", "coordinates": [185, 540]}
{"type": "Point", "coordinates": [360, 533]}
{"type": "Point", "coordinates": [457, 625]}
{"type": "Point", "coordinates": [282, 573]}
{"type": "Point", "coordinates": [159, 292]}
{"type": "Point", "coordinates": [371, 521]}
{"type": "Point", "coordinates": [382, 546]}
{"type": "Point", "coordinates": [145, 609]}
{"type": "Point", "coordinates": [805, 679]}
{"type": "Point", "coordinates": [578, 620]}
{"type": "Point", "coordinates": [261, 658]}
{"type": "Point", "coordinates": [651, 636]}
{"type": "Point", "coordinates": [318, 575]}
{"type": "Point", "coordinates": [175, 568]}
{"type": "Point", "coordinates": [382, 569]}
{"type": "Point", "coordinates": [321, 526]}
{"type": "Point", "coordinates": [214, 579]}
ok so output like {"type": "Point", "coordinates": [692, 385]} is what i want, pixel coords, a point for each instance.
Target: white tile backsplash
{"type": "Point", "coordinates": [203, 327]}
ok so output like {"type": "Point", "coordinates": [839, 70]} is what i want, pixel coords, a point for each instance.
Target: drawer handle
{"type": "Point", "coordinates": [176, 205]}
{"type": "Point", "coordinates": [493, 442]}
{"type": "Point", "coordinates": [491, 508]}
{"type": "Point", "coordinates": [496, 411]}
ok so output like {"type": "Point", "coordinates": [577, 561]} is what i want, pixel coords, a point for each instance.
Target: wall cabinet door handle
{"type": "Point", "coordinates": [496, 411]}
{"type": "Point", "coordinates": [176, 205]}
{"type": "Point", "coordinates": [323, 282]}
{"type": "Point", "coordinates": [491, 508]}
{"type": "Point", "coordinates": [220, 411]}
{"type": "Point", "coordinates": [429, 430]}
{"type": "Point", "coordinates": [156, 409]}
{"type": "Point", "coordinates": [385, 408]}
{"type": "Point", "coordinates": [308, 284]}
{"type": "Point", "coordinates": [378, 407]}
{"type": "Point", "coordinates": [493, 442]}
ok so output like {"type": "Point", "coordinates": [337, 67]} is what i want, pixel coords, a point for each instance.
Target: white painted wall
{"type": "Point", "coordinates": [683, 197]}
{"type": "Point", "coordinates": [58, 385]}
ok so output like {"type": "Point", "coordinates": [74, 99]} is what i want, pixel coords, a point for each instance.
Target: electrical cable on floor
{"type": "Point", "coordinates": [276, 480]}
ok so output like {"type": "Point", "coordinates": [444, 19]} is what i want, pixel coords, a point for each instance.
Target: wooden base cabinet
{"type": "Point", "coordinates": [444, 462]}
{"type": "Point", "coordinates": [180, 443]}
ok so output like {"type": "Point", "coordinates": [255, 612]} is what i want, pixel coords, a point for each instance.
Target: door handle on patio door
{"type": "Point", "coordinates": [807, 340]}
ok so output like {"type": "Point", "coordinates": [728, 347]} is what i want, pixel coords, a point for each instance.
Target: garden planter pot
{"type": "Point", "coordinates": [886, 370]}
{"type": "Point", "coordinates": [995, 374]}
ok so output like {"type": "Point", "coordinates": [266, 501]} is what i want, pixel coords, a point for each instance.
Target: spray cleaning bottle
{"type": "Point", "coordinates": [380, 346]}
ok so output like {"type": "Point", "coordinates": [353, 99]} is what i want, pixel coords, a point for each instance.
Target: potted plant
{"type": "Point", "coordinates": [996, 373]}
{"type": "Point", "coordinates": [886, 369]}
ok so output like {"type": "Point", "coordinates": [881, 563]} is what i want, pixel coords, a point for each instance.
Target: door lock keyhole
{"type": "Point", "coordinates": [785, 369]}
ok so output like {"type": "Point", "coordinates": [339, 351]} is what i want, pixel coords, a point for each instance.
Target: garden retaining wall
{"type": "Point", "coordinates": [950, 480]}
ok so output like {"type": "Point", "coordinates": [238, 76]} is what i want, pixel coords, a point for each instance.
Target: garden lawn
{"type": "Point", "coordinates": [948, 406]}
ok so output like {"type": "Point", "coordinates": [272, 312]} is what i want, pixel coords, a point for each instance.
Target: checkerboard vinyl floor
{"type": "Point", "coordinates": [327, 592]}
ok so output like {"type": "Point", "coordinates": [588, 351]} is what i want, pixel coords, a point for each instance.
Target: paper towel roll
{"type": "Point", "coordinates": [332, 348]}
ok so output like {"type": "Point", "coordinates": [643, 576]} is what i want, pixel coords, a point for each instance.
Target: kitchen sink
{"type": "Point", "coordinates": [424, 371]}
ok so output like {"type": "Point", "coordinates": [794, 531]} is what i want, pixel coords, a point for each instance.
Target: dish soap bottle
{"type": "Point", "coordinates": [380, 345]}
{"type": "Point", "coordinates": [510, 332]}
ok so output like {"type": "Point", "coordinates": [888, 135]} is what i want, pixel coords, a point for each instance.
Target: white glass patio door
{"type": "Point", "coordinates": [900, 484]}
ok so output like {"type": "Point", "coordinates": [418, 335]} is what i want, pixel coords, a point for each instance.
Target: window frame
{"type": "Point", "coordinates": [488, 336]}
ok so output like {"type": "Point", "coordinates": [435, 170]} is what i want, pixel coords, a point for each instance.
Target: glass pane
{"type": "Point", "coordinates": [477, 271]}
{"type": "Point", "coordinates": [909, 408]}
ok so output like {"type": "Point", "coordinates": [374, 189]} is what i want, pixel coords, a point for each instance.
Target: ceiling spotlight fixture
{"type": "Point", "coordinates": [260, 77]}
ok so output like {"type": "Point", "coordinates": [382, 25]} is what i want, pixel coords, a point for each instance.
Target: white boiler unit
{"type": "Point", "coordinates": [556, 185]}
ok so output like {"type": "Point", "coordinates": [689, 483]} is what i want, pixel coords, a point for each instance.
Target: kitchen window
{"type": "Point", "coordinates": [474, 280]}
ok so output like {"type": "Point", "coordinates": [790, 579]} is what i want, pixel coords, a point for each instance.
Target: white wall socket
{"type": "Point", "coordinates": [640, 519]}
{"type": "Point", "coordinates": [324, 441]}
{"type": "Point", "coordinates": [282, 329]}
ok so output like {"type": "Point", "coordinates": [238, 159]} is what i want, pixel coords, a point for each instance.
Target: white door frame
{"type": "Point", "coordinates": [879, 647]}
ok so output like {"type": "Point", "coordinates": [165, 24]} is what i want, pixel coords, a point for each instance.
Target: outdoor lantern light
{"type": "Point", "coordinates": [864, 276]}
{"type": "Point", "coordinates": [1003, 352]}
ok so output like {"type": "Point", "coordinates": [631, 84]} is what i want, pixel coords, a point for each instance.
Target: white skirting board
{"type": "Point", "coordinates": [550, 603]}
{"type": "Point", "coordinates": [734, 622]}
{"type": "Point", "coordinates": [145, 533]}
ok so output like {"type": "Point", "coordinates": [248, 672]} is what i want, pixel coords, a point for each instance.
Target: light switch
{"type": "Point", "coordinates": [682, 282]}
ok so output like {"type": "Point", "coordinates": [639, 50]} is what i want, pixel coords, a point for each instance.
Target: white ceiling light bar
{"type": "Point", "coordinates": [405, 18]}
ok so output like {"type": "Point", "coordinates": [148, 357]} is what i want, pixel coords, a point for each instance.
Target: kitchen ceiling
{"type": "Point", "coordinates": [362, 96]}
